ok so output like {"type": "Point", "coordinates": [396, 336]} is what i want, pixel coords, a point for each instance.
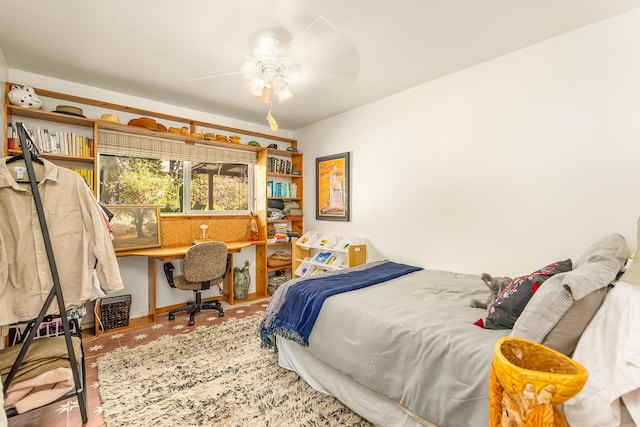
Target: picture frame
{"type": "Point", "coordinates": [333, 187]}
{"type": "Point", "coordinates": [135, 226]}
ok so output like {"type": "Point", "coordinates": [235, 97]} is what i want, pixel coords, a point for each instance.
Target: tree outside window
{"type": "Point", "coordinates": [140, 181]}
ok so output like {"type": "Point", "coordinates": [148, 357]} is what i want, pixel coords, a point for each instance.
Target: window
{"type": "Point", "coordinates": [179, 177]}
{"type": "Point", "coordinates": [138, 181]}
{"type": "Point", "coordinates": [219, 187]}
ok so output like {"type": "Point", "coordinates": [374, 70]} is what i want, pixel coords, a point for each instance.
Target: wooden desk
{"type": "Point", "coordinates": [168, 253]}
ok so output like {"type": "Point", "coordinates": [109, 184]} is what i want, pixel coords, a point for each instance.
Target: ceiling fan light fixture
{"type": "Point", "coordinates": [265, 96]}
{"type": "Point", "coordinates": [280, 87]}
{"type": "Point", "coordinates": [257, 85]}
{"type": "Point", "coordinates": [284, 95]}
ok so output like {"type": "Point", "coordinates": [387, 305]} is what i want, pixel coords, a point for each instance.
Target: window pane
{"type": "Point", "coordinates": [139, 181]}
{"type": "Point", "coordinates": [220, 187]}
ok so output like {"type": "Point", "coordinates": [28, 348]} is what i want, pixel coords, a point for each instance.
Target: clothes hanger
{"type": "Point", "coordinates": [21, 157]}
{"type": "Point", "coordinates": [26, 141]}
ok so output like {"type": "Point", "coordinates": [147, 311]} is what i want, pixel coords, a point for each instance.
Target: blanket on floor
{"type": "Point", "coordinates": [294, 307]}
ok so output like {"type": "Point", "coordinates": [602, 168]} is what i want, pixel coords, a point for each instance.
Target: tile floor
{"type": "Point", "coordinates": [65, 413]}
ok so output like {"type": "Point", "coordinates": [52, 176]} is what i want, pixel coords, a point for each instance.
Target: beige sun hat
{"type": "Point", "coordinates": [110, 118]}
{"type": "Point", "coordinates": [69, 110]}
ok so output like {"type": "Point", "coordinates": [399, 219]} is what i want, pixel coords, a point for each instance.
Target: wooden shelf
{"type": "Point", "coordinates": [63, 157]}
{"type": "Point", "coordinates": [134, 130]}
{"type": "Point", "coordinates": [285, 153]}
{"type": "Point", "coordinates": [282, 267]}
{"type": "Point", "coordinates": [49, 116]}
{"type": "Point", "coordinates": [356, 254]}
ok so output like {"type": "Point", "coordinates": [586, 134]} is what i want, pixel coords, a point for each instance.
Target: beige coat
{"type": "Point", "coordinates": [79, 237]}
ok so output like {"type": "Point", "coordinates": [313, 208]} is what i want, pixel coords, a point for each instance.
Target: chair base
{"type": "Point", "coordinates": [196, 307]}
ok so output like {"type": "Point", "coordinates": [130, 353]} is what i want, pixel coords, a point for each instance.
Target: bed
{"type": "Point", "coordinates": [408, 351]}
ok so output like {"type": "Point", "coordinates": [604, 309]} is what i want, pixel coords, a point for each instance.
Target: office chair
{"type": "Point", "coordinates": [205, 264]}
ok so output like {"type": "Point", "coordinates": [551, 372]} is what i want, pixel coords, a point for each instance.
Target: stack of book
{"type": "Point", "coordinates": [284, 190]}
{"type": "Point", "coordinates": [276, 165]}
{"type": "Point", "coordinates": [87, 174]}
{"type": "Point", "coordinates": [60, 142]}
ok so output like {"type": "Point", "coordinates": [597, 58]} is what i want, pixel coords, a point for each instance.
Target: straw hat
{"type": "Point", "coordinates": [147, 123]}
{"type": "Point", "coordinates": [144, 122]}
{"type": "Point", "coordinates": [110, 118]}
{"type": "Point", "coordinates": [70, 110]}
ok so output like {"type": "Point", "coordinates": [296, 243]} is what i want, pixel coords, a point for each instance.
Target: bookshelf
{"type": "Point", "coordinates": [65, 140]}
{"type": "Point", "coordinates": [192, 132]}
{"type": "Point", "coordinates": [284, 184]}
{"type": "Point", "coordinates": [317, 253]}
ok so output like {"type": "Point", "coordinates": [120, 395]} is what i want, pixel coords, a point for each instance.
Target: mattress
{"type": "Point", "coordinates": [413, 341]}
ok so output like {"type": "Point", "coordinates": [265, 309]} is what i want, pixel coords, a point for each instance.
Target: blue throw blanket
{"type": "Point", "coordinates": [295, 306]}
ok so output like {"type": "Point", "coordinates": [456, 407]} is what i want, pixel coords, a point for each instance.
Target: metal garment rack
{"type": "Point", "coordinates": [29, 154]}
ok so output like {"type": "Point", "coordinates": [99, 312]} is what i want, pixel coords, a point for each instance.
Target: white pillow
{"type": "Point", "coordinates": [561, 309]}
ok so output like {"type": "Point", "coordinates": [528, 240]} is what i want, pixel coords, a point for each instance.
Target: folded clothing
{"type": "Point", "coordinates": [44, 354]}
{"type": "Point", "coordinates": [279, 259]}
{"type": "Point", "coordinates": [39, 390]}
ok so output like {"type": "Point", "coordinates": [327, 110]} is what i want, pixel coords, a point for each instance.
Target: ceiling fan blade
{"type": "Point", "coordinates": [214, 76]}
{"type": "Point", "coordinates": [322, 49]}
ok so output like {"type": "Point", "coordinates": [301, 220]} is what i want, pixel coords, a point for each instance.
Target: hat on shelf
{"type": "Point", "coordinates": [110, 118]}
{"type": "Point", "coordinates": [147, 123]}
{"type": "Point", "coordinates": [273, 146]}
{"type": "Point", "coordinates": [254, 143]}
{"type": "Point", "coordinates": [69, 110]}
{"type": "Point", "coordinates": [292, 149]}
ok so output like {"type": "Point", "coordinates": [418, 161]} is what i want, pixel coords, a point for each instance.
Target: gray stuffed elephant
{"type": "Point", "coordinates": [495, 285]}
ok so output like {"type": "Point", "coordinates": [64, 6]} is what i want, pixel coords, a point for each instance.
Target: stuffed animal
{"type": "Point", "coordinates": [495, 285]}
{"type": "Point", "coordinates": [24, 97]}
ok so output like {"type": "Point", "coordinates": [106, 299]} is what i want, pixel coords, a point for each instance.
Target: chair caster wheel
{"type": "Point", "coordinates": [192, 322]}
{"type": "Point", "coordinates": [172, 317]}
{"type": "Point", "coordinates": [221, 315]}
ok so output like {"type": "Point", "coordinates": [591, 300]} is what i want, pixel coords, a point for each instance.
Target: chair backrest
{"type": "Point", "coordinates": [205, 261]}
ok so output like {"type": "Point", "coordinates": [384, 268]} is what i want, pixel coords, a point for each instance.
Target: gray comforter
{"type": "Point", "coordinates": [413, 340]}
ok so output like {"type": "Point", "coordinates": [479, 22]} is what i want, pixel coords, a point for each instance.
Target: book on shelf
{"type": "Point", "coordinates": [60, 142]}
{"type": "Point", "coordinates": [328, 258]}
{"type": "Point", "coordinates": [277, 165]}
{"type": "Point", "coordinates": [87, 174]}
{"type": "Point", "coordinates": [282, 190]}
{"type": "Point", "coordinates": [322, 257]}
{"type": "Point", "coordinates": [307, 239]}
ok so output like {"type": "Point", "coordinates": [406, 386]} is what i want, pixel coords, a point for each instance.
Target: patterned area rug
{"type": "Point", "coordinates": [215, 375]}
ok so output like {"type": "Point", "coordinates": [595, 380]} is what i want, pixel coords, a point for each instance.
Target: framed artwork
{"type": "Point", "coordinates": [333, 190]}
{"type": "Point", "coordinates": [135, 226]}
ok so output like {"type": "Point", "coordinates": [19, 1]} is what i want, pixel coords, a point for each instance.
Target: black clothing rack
{"type": "Point", "coordinates": [29, 154]}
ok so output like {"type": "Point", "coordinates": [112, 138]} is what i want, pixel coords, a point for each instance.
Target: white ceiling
{"type": "Point", "coordinates": [151, 48]}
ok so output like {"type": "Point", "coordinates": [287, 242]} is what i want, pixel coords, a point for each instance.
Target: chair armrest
{"type": "Point", "coordinates": [168, 271]}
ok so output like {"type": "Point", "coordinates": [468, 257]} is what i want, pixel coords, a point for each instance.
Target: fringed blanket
{"type": "Point", "coordinates": [295, 305]}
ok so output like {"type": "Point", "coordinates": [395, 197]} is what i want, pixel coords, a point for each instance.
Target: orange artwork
{"type": "Point", "coordinates": [332, 189]}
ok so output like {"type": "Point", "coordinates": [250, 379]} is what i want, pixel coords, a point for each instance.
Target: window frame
{"type": "Point", "coordinates": [186, 193]}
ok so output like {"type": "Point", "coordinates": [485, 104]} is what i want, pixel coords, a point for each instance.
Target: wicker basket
{"type": "Point", "coordinates": [528, 380]}
{"type": "Point", "coordinates": [114, 311]}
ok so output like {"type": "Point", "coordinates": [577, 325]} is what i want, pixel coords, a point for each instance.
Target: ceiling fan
{"type": "Point", "coordinates": [320, 55]}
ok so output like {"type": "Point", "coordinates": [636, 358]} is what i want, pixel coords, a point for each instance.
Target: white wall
{"type": "Point", "coordinates": [4, 72]}
{"type": "Point", "coordinates": [500, 168]}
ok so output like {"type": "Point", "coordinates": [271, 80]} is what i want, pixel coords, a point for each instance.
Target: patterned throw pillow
{"type": "Point", "coordinates": [504, 311]}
